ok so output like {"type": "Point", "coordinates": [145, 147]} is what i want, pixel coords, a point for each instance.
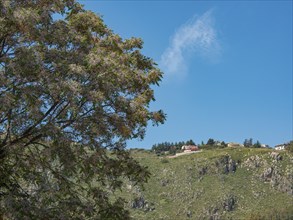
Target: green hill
{"type": "Point", "coordinates": [229, 183]}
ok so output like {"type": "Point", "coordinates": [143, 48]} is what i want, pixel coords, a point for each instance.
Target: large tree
{"type": "Point", "coordinates": [71, 93]}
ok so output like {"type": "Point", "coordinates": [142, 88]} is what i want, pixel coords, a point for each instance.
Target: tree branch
{"type": "Point", "coordinates": [8, 127]}
{"type": "Point", "coordinates": [2, 46]}
{"type": "Point", "coordinates": [33, 139]}
{"type": "Point", "coordinates": [28, 131]}
{"type": "Point", "coordinates": [41, 119]}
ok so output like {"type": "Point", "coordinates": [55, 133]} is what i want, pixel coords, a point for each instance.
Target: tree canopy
{"type": "Point", "coordinates": [170, 146]}
{"type": "Point", "coordinates": [71, 92]}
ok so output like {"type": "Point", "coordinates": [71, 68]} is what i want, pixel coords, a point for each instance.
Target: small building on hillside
{"type": "Point", "coordinates": [189, 148]}
{"type": "Point", "coordinates": [264, 146]}
{"type": "Point", "coordinates": [232, 144]}
{"type": "Point", "coordinates": [280, 147]}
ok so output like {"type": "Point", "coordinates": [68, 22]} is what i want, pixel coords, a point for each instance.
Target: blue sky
{"type": "Point", "coordinates": [227, 66]}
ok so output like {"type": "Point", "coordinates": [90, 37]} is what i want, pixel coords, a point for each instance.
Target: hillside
{"type": "Point", "coordinates": [229, 183]}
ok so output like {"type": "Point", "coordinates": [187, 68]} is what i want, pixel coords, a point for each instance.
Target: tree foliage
{"type": "Point", "coordinates": [248, 142]}
{"type": "Point", "coordinates": [170, 146]}
{"type": "Point", "coordinates": [257, 144]}
{"type": "Point", "coordinates": [211, 142]}
{"type": "Point", "coordinates": [71, 92]}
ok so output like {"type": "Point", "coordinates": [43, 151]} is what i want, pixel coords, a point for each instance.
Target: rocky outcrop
{"type": "Point", "coordinates": [222, 165]}
{"type": "Point", "coordinates": [164, 182]}
{"type": "Point", "coordinates": [283, 183]}
{"type": "Point", "coordinates": [229, 203]}
{"type": "Point", "coordinates": [253, 162]}
{"type": "Point", "coordinates": [189, 214]}
{"type": "Point", "coordinates": [202, 170]}
{"type": "Point", "coordinates": [226, 165]}
{"type": "Point", "coordinates": [138, 203]}
{"type": "Point", "coordinates": [276, 156]}
{"type": "Point", "coordinates": [267, 174]}
{"type": "Point", "coordinates": [272, 172]}
{"type": "Point", "coordinates": [141, 203]}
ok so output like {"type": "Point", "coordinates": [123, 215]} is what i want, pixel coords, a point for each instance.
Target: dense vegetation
{"type": "Point", "coordinates": [249, 143]}
{"type": "Point", "coordinates": [170, 147]}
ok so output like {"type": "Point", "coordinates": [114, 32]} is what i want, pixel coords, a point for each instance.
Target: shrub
{"type": "Point", "coordinates": [164, 160]}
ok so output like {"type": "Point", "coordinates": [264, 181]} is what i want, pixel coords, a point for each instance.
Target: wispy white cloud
{"type": "Point", "coordinates": [197, 36]}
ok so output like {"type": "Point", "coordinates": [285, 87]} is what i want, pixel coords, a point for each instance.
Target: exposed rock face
{"type": "Point", "coordinates": [141, 203]}
{"type": "Point", "coordinates": [276, 156]}
{"type": "Point", "coordinates": [281, 182]}
{"type": "Point", "coordinates": [202, 171]}
{"type": "Point", "coordinates": [229, 203]}
{"type": "Point", "coordinates": [231, 165]}
{"type": "Point", "coordinates": [138, 203]}
{"type": "Point", "coordinates": [272, 172]}
{"type": "Point", "coordinates": [189, 214]}
{"type": "Point", "coordinates": [226, 204]}
{"type": "Point", "coordinates": [226, 165]}
{"type": "Point", "coordinates": [267, 174]}
{"type": "Point", "coordinates": [149, 207]}
{"type": "Point", "coordinates": [253, 162]}
{"type": "Point", "coordinates": [164, 182]}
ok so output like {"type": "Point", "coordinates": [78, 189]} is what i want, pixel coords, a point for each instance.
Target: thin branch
{"type": "Point", "coordinates": [41, 144]}
{"type": "Point", "coordinates": [7, 136]}
{"type": "Point", "coordinates": [41, 119]}
{"type": "Point", "coordinates": [33, 139]}
{"type": "Point", "coordinates": [75, 118]}
{"type": "Point", "coordinates": [70, 121]}
{"type": "Point", "coordinates": [28, 131]}
{"type": "Point", "coordinates": [3, 40]}
{"type": "Point", "coordinates": [2, 120]}
{"type": "Point", "coordinates": [64, 107]}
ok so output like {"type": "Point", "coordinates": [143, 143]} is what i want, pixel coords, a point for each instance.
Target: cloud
{"type": "Point", "coordinates": [197, 36]}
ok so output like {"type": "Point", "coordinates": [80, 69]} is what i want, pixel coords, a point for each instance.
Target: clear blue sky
{"type": "Point", "coordinates": [227, 66]}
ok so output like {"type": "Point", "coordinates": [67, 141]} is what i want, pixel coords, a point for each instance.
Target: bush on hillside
{"type": "Point", "coordinates": [289, 148]}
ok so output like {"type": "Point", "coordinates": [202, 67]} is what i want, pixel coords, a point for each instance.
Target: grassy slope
{"type": "Point", "coordinates": [178, 187]}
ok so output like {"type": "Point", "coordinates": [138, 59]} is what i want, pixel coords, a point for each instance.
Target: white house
{"type": "Point", "coordinates": [280, 147]}
{"type": "Point", "coordinates": [232, 144]}
{"type": "Point", "coordinates": [265, 146]}
{"type": "Point", "coordinates": [189, 148]}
